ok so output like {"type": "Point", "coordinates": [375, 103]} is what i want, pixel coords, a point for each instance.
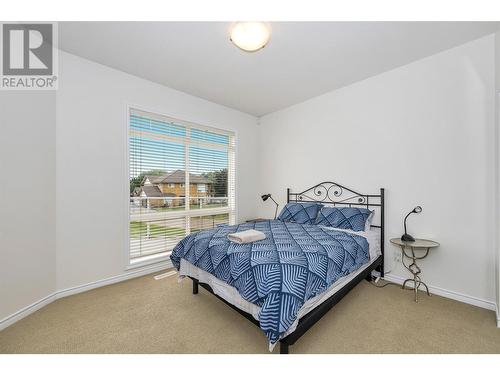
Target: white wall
{"type": "Point", "coordinates": [424, 132]}
{"type": "Point", "coordinates": [91, 161]}
{"type": "Point", "coordinates": [497, 166]}
{"type": "Point", "coordinates": [27, 188]}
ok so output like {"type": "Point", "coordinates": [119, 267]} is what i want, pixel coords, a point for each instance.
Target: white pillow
{"type": "Point", "coordinates": [368, 221]}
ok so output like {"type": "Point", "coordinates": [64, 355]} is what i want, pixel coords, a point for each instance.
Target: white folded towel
{"type": "Point", "coordinates": [246, 236]}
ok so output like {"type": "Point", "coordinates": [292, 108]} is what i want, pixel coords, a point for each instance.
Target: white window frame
{"type": "Point", "coordinates": [163, 260]}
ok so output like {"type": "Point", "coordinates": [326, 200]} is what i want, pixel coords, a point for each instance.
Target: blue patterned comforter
{"type": "Point", "coordinates": [293, 264]}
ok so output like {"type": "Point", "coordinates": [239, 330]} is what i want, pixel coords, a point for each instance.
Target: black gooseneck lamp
{"type": "Point", "coordinates": [265, 197]}
{"type": "Point", "coordinates": [406, 236]}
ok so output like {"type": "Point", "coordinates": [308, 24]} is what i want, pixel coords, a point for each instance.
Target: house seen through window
{"type": "Point", "coordinates": [181, 179]}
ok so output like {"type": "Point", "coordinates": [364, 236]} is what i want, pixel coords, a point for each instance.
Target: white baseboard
{"type": "Point", "coordinates": [115, 279]}
{"type": "Point", "coordinates": [25, 311]}
{"type": "Point", "coordinates": [490, 305]}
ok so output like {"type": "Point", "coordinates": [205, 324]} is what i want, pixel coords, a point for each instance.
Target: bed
{"type": "Point", "coordinates": [285, 283]}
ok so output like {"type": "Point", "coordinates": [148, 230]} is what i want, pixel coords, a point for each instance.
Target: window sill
{"type": "Point", "coordinates": [149, 260]}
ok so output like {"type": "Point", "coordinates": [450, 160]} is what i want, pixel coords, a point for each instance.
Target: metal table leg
{"type": "Point", "coordinates": [415, 270]}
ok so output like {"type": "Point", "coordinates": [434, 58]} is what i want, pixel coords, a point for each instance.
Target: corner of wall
{"type": "Point", "coordinates": [497, 167]}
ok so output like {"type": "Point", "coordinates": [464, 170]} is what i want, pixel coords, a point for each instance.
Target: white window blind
{"type": "Point", "coordinates": [169, 160]}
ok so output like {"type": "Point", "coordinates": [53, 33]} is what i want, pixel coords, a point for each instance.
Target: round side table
{"type": "Point", "coordinates": [418, 244]}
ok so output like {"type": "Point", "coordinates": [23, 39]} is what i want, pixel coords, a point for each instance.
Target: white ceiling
{"type": "Point", "coordinates": [302, 60]}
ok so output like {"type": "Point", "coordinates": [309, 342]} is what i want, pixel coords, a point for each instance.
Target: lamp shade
{"type": "Point", "coordinates": [265, 197]}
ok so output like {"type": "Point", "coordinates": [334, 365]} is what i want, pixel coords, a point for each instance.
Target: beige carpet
{"type": "Point", "coordinates": [148, 316]}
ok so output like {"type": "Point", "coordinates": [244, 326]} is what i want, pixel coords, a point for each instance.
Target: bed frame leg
{"type": "Point", "coordinates": [381, 269]}
{"type": "Point", "coordinates": [195, 286]}
{"type": "Point", "coordinates": [283, 348]}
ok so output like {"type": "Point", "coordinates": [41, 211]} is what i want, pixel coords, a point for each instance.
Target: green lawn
{"type": "Point", "coordinates": [207, 222]}
{"type": "Point", "coordinates": [192, 207]}
{"type": "Point", "coordinates": [139, 228]}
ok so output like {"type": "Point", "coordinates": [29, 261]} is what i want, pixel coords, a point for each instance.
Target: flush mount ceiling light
{"type": "Point", "coordinates": [250, 36]}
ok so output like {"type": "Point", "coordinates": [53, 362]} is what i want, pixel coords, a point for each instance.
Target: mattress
{"type": "Point", "coordinates": [231, 294]}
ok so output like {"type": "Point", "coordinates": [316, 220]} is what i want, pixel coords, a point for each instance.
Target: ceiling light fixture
{"type": "Point", "coordinates": [250, 36]}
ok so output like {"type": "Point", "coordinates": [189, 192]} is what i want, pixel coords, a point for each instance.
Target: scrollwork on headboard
{"type": "Point", "coordinates": [332, 193]}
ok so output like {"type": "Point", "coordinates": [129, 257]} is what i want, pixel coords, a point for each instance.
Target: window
{"type": "Point", "coordinates": [182, 180]}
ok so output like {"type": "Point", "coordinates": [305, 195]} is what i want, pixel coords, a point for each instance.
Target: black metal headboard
{"type": "Point", "coordinates": [331, 193]}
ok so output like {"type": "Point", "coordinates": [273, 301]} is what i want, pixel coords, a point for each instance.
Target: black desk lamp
{"type": "Point", "coordinates": [406, 236]}
{"type": "Point", "coordinates": [265, 197]}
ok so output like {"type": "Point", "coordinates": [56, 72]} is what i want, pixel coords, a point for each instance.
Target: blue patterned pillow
{"type": "Point", "coordinates": [302, 213]}
{"type": "Point", "coordinates": [343, 218]}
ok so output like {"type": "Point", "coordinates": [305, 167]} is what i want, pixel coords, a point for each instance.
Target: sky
{"type": "Point", "coordinates": [148, 151]}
